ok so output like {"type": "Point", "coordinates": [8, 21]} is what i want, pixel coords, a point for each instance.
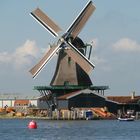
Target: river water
{"type": "Point", "coordinates": [16, 129]}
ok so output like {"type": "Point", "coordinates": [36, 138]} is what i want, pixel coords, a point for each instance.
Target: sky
{"type": "Point", "coordinates": [114, 28]}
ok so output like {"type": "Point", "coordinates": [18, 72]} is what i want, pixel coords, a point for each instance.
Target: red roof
{"type": "Point", "coordinates": [21, 102]}
{"type": "Point", "coordinates": [124, 99]}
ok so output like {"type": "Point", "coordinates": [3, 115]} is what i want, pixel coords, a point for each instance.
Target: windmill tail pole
{"type": "Point", "coordinates": [90, 50]}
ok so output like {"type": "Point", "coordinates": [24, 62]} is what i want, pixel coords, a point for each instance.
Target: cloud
{"type": "Point", "coordinates": [126, 45]}
{"type": "Point", "coordinates": [101, 63]}
{"type": "Point", "coordinates": [98, 60]}
{"type": "Point", "coordinates": [22, 56]}
{"type": "Point", "coordinates": [28, 48]}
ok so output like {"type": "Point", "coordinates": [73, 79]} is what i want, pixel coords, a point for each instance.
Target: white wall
{"type": "Point", "coordinates": [34, 102]}
{"type": "Point", "coordinates": [0, 103]}
{"type": "Point", "coordinates": [9, 103]}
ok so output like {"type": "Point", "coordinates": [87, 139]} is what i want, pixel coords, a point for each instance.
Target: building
{"type": "Point", "coordinates": [12, 100]}
{"type": "Point", "coordinates": [91, 99]}
{"type": "Point", "coordinates": [80, 99]}
{"type": "Point", "coordinates": [123, 103]}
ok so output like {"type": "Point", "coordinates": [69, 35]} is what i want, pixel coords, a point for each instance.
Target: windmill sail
{"type": "Point", "coordinates": [46, 22]}
{"type": "Point", "coordinates": [63, 43]}
{"type": "Point", "coordinates": [79, 58]}
{"type": "Point", "coordinates": [81, 20]}
{"type": "Point", "coordinates": [39, 66]}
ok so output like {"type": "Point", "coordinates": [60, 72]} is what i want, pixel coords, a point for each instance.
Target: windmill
{"type": "Point", "coordinates": [65, 41]}
{"type": "Point", "coordinates": [73, 67]}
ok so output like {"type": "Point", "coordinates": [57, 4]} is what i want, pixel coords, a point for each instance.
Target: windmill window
{"type": "Point", "coordinates": [69, 60]}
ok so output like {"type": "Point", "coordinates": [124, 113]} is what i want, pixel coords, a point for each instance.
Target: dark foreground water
{"type": "Point", "coordinates": [16, 129]}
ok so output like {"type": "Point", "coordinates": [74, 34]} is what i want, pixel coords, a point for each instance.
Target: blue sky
{"type": "Point", "coordinates": [114, 28]}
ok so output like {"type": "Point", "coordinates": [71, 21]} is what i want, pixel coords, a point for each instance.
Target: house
{"type": "Point", "coordinates": [81, 99]}
{"type": "Point", "coordinates": [123, 103]}
{"type": "Point", "coordinates": [22, 103]}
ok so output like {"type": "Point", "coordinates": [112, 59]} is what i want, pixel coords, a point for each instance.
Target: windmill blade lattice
{"type": "Point", "coordinates": [81, 20]}
{"type": "Point", "coordinates": [46, 22]}
{"type": "Point", "coordinates": [64, 41]}
{"type": "Point", "coordinates": [41, 64]}
{"type": "Point", "coordinates": [79, 58]}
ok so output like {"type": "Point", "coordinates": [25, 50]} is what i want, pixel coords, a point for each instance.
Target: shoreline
{"type": "Point", "coordinates": [48, 118]}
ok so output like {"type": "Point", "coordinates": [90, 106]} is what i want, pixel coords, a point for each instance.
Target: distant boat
{"type": "Point", "coordinates": [126, 119]}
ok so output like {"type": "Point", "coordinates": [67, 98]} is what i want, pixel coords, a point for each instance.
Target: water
{"type": "Point", "coordinates": [16, 129]}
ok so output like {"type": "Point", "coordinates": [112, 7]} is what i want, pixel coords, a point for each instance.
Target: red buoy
{"type": "Point", "coordinates": [32, 125]}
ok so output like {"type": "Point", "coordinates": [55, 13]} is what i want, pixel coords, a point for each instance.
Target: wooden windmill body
{"type": "Point", "coordinates": [73, 67]}
{"type": "Point", "coordinates": [68, 72]}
